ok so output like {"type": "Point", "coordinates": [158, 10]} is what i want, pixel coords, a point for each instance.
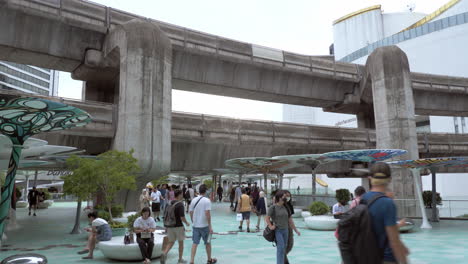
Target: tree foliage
{"type": "Point", "coordinates": [160, 181]}
{"type": "Point", "coordinates": [111, 172]}
{"type": "Point", "coordinates": [116, 170]}
{"type": "Point", "coordinates": [343, 195]}
{"type": "Point", "coordinates": [82, 182]}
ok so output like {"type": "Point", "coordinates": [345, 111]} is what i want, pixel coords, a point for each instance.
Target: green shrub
{"type": "Point", "coordinates": [18, 193]}
{"type": "Point", "coordinates": [343, 195]}
{"type": "Point", "coordinates": [114, 224]}
{"type": "Point", "coordinates": [131, 219]}
{"type": "Point", "coordinates": [104, 215]}
{"type": "Point", "coordinates": [427, 198]}
{"type": "Point", "coordinates": [117, 210]}
{"type": "Point", "coordinates": [319, 208]}
{"type": "Point", "coordinates": [47, 194]}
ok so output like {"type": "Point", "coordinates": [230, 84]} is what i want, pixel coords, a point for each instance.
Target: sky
{"type": "Point", "coordinates": [300, 26]}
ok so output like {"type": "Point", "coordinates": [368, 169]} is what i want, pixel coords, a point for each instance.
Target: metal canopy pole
{"type": "Point", "coordinates": [434, 193]}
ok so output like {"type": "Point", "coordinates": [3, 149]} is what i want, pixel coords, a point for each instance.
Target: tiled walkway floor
{"type": "Point", "coordinates": [48, 234]}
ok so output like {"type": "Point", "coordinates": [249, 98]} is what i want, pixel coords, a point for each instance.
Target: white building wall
{"type": "Point", "coordinates": [356, 32]}
{"type": "Point", "coordinates": [460, 7]}
{"type": "Point", "coordinates": [395, 22]}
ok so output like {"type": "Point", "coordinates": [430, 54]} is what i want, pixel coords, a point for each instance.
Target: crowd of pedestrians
{"type": "Point", "coordinates": [172, 203]}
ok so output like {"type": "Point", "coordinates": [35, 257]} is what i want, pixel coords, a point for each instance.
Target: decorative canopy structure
{"type": "Point", "coordinates": [363, 155]}
{"type": "Point", "coordinates": [432, 164]}
{"type": "Point", "coordinates": [262, 164]}
{"type": "Point", "coordinates": [23, 117]}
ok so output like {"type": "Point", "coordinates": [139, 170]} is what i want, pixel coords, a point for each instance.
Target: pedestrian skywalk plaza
{"type": "Point", "coordinates": [48, 234]}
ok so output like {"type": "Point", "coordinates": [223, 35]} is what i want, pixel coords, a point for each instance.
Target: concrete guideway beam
{"type": "Point", "coordinates": [144, 101]}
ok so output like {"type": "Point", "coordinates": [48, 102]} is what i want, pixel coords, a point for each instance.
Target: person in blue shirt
{"type": "Point", "coordinates": [383, 215]}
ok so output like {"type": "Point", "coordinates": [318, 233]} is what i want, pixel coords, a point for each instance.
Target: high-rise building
{"type": "Point", "coordinates": [29, 79]}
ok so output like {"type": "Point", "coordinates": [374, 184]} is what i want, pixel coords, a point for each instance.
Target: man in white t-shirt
{"type": "Point", "coordinates": [200, 214]}
{"type": "Point", "coordinates": [156, 203]}
{"type": "Point", "coordinates": [338, 210]}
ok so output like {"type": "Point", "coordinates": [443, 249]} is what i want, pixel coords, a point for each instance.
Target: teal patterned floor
{"type": "Point", "coordinates": [47, 234]}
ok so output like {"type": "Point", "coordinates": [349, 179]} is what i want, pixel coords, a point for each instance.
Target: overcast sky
{"type": "Point", "coordinates": [301, 26]}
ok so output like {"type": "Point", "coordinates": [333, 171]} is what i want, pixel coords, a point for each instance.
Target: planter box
{"type": "Point", "coordinates": [321, 222]}
{"type": "Point", "coordinates": [429, 215]}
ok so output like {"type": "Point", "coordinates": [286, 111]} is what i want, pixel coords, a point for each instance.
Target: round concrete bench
{"type": "Point", "coordinates": [321, 222]}
{"type": "Point", "coordinates": [297, 213]}
{"type": "Point", "coordinates": [116, 249]}
{"type": "Point", "coordinates": [305, 214]}
{"type": "Point", "coordinates": [408, 227]}
{"type": "Point", "coordinates": [45, 204]}
{"type": "Point", "coordinates": [21, 204]}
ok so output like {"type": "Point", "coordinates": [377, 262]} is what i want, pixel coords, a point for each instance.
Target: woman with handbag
{"type": "Point", "coordinates": [144, 226]}
{"type": "Point", "coordinates": [279, 220]}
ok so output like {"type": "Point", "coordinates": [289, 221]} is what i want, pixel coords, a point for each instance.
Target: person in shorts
{"type": "Point", "coordinates": [99, 231]}
{"type": "Point", "coordinates": [156, 203]}
{"type": "Point", "coordinates": [200, 214]}
{"type": "Point", "coordinates": [245, 206]}
{"type": "Point", "coordinates": [33, 198]}
{"type": "Point", "coordinates": [178, 231]}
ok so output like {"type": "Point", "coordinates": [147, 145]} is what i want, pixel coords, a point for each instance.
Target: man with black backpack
{"type": "Point", "coordinates": [368, 233]}
{"type": "Point", "coordinates": [173, 219]}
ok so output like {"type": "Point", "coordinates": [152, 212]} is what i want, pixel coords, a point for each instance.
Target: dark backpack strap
{"type": "Point", "coordinates": [371, 201]}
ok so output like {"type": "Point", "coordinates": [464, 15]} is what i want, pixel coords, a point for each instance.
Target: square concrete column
{"type": "Point", "coordinates": [389, 72]}
{"type": "Point", "coordinates": [144, 53]}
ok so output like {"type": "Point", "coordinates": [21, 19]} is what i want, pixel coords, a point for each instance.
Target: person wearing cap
{"type": "Point", "coordinates": [383, 214]}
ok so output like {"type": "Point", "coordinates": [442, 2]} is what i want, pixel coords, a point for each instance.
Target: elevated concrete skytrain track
{"type": "Point", "coordinates": [133, 63]}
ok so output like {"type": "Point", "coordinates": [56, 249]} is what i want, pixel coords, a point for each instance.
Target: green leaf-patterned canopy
{"type": "Point", "coordinates": [22, 117]}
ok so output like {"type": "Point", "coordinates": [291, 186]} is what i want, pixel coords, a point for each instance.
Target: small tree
{"type": "Point", "coordinates": [115, 171]}
{"type": "Point", "coordinates": [82, 183]}
{"type": "Point", "coordinates": [319, 208]}
{"type": "Point", "coordinates": [427, 199]}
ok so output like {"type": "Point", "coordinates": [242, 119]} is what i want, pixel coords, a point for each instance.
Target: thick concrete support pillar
{"type": "Point", "coordinates": [388, 69]}
{"type": "Point", "coordinates": [144, 105]}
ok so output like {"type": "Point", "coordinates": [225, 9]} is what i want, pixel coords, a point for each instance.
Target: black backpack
{"type": "Point", "coordinates": [357, 240]}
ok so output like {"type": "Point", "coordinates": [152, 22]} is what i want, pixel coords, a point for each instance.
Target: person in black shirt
{"type": "Point", "coordinates": [33, 198]}
{"type": "Point", "coordinates": [220, 192]}
{"type": "Point", "coordinates": [178, 231]}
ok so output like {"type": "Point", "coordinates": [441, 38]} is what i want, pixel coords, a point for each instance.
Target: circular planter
{"type": "Point", "coordinates": [21, 204]}
{"type": "Point", "coordinates": [297, 213]}
{"type": "Point", "coordinates": [118, 232]}
{"type": "Point", "coordinates": [321, 222]}
{"type": "Point", "coordinates": [45, 204]}
{"type": "Point", "coordinates": [305, 214]}
{"type": "Point", "coordinates": [408, 227]}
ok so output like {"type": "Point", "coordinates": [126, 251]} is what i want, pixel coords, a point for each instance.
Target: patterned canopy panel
{"type": "Point", "coordinates": [431, 162]}
{"type": "Point", "coordinates": [365, 155]}
{"type": "Point", "coordinates": [304, 159]}
{"type": "Point", "coordinates": [258, 163]}
{"type": "Point", "coordinates": [22, 117]}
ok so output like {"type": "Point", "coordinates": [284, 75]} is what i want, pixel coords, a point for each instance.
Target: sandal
{"type": "Point", "coordinates": [212, 261]}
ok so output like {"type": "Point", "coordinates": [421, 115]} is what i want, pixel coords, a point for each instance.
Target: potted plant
{"type": "Point", "coordinates": [320, 220]}
{"type": "Point", "coordinates": [427, 199]}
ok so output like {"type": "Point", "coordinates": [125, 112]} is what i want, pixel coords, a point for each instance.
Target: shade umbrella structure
{"type": "Point", "coordinates": [364, 155]}
{"type": "Point", "coordinates": [23, 117]}
{"type": "Point", "coordinates": [432, 164]}
{"type": "Point", "coordinates": [261, 164]}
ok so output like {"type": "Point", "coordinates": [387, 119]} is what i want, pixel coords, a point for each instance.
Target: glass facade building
{"type": "Point", "coordinates": [29, 79]}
